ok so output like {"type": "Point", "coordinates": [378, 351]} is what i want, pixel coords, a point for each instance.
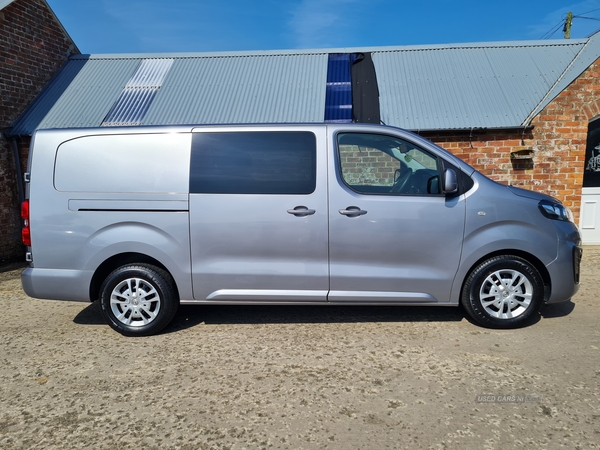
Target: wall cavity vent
{"type": "Point", "coordinates": [139, 92]}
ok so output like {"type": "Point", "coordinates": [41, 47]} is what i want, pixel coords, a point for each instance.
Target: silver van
{"type": "Point", "coordinates": [147, 218]}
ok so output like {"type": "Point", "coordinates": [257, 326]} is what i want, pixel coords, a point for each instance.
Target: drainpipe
{"type": "Point", "coordinates": [19, 173]}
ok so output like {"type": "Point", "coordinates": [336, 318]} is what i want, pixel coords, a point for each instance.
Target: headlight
{"type": "Point", "coordinates": [555, 211]}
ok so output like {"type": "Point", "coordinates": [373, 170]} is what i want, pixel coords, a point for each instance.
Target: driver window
{"type": "Point", "coordinates": [379, 164]}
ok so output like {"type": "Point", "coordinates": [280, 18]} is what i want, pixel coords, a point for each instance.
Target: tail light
{"type": "Point", "coordinates": [25, 232]}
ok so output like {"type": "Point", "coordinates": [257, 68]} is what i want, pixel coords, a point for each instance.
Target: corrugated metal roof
{"type": "Point", "coordinates": [465, 87]}
{"type": "Point", "coordinates": [242, 89]}
{"type": "Point", "coordinates": [588, 54]}
{"type": "Point", "coordinates": [80, 95]}
{"type": "Point", "coordinates": [477, 85]}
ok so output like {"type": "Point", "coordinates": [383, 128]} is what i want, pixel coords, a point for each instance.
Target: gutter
{"type": "Point", "coordinates": [475, 130]}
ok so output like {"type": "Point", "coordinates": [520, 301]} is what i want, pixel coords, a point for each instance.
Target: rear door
{"type": "Point", "coordinates": [258, 214]}
{"type": "Point", "coordinates": [394, 237]}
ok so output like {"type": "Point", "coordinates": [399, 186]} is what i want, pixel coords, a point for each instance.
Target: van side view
{"type": "Point", "coordinates": [144, 219]}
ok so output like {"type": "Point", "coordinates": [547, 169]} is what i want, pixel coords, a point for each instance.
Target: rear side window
{"type": "Point", "coordinates": [254, 162]}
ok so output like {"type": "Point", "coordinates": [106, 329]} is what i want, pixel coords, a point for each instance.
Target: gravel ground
{"type": "Point", "coordinates": [299, 377]}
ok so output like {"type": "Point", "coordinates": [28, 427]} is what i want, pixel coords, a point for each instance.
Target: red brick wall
{"type": "Point", "coordinates": [33, 47]}
{"type": "Point", "coordinates": [365, 166]}
{"type": "Point", "coordinates": [558, 141]}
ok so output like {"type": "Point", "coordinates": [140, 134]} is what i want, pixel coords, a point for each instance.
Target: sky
{"type": "Point", "coordinates": [156, 26]}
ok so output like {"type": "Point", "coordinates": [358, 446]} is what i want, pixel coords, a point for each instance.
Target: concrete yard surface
{"type": "Point", "coordinates": [252, 377]}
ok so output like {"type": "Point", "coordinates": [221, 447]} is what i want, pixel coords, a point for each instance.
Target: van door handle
{"type": "Point", "coordinates": [352, 211]}
{"type": "Point", "coordinates": [301, 211]}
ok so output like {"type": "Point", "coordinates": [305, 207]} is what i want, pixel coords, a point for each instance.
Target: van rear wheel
{"type": "Point", "coordinates": [503, 292]}
{"type": "Point", "coordinates": [138, 299]}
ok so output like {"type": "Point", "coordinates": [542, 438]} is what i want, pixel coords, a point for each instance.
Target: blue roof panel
{"type": "Point", "coordinates": [338, 97]}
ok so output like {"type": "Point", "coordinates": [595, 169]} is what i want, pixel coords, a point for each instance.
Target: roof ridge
{"type": "Point", "coordinates": [324, 51]}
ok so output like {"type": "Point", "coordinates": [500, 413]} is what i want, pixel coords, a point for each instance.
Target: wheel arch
{"type": "Point", "coordinates": [536, 262]}
{"type": "Point", "coordinates": [119, 260]}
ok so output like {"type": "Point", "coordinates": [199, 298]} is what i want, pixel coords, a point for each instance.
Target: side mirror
{"type": "Point", "coordinates": [450, 183]}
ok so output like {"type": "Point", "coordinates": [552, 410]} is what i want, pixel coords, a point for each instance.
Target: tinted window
{"type": "Point", "coordinates": [379, 164]}
{"type": "Point", "coordinates": [253, 163]}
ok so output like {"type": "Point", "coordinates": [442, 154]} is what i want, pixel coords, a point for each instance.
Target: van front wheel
{"type": "Point", "coordinates": [138, 299]}
{"type": "Point", "coordinates": [503, 292]}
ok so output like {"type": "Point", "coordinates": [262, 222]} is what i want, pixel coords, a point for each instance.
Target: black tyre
{"type": "Point", "coordinates": [138, 299]}
{"type": "Point", "coordinates": [503, 292]}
